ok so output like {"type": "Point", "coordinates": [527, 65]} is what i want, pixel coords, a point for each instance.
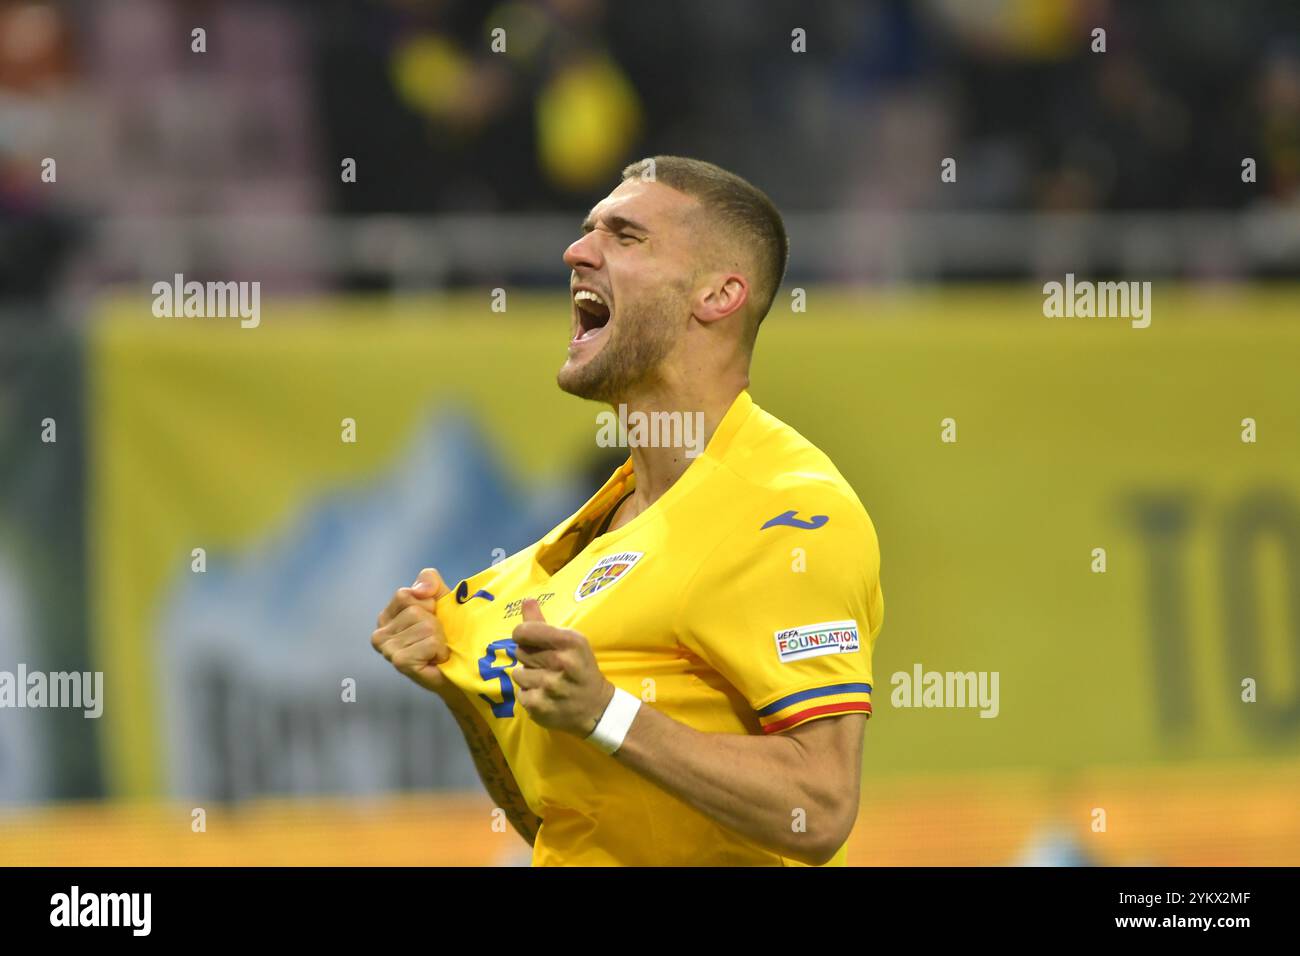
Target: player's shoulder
{"type": "Point", "coordinates": [771, 462]}
{"type": "Point", "coordinates": [773, 490]}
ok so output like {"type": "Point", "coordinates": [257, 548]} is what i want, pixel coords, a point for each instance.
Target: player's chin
{"type": "Point", "coordinates": [580, 377]}
{"type": "Point", "coordinates": [571, 380]}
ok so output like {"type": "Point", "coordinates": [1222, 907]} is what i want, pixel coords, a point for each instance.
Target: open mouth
{"type": "Point", "coordinates": [592, 314]}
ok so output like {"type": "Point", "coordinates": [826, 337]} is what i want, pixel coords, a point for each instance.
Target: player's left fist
{"type": "Point", "coordinates": [558, 681]}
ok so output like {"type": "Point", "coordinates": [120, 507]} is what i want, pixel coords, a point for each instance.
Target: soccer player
{"type": "Point", "coordinates": [680, 673]}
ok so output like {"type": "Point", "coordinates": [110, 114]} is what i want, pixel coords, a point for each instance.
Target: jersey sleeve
{"type": "Point", "coordinates": [787, 608]}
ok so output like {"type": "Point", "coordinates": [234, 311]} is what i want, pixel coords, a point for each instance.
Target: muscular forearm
{"type": "Point", "coordinates": [491, 765]}
{"type": "Point", "coordinates": [773, 790]}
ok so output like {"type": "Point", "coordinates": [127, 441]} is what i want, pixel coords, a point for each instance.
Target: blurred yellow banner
{"type": "Point", "coordinates": [1085, 562]}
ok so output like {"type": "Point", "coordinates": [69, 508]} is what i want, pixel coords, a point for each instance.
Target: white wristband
{"type": "Point", "coordinates": [616, 721]}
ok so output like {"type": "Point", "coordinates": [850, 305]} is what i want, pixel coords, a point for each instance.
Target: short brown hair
{"type": "Point", "coordinates": [739, 205]}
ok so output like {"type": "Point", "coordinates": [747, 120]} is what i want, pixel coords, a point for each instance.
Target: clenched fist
{"type": "Point", "coordinates": [560, 684]}
{"type": "Point", "coordinates": [409, 635]}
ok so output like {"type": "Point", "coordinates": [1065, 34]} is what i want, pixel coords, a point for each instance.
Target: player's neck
{"type": "Point", "coordinates": [659, 464]}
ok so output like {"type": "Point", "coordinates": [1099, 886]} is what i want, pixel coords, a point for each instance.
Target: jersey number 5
{"type": "Point", "coordinates": [489, 669]}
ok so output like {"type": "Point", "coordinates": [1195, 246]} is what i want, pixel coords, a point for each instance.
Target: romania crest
{"type": "Point", "coordinates": [606, 572]}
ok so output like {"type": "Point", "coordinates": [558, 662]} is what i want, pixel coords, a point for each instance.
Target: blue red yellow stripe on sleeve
{"type": "Point", "coordinates": [791, 710]}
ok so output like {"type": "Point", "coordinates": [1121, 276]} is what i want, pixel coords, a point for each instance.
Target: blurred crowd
{"type": "Point", "coordinates": [453, 106]}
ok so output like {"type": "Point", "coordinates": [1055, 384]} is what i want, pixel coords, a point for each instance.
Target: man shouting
{"type": "Point", "coordinates": [680, 673]}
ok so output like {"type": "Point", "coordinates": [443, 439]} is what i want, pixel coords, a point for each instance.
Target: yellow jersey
{"type": "Point", "coordinates": [745, 600]}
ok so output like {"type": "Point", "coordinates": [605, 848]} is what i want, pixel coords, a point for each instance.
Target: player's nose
{"type": "Point", "coordinates": [583, 252]}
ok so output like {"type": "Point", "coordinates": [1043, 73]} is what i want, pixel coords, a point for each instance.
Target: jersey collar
{"type": "Point", "coordinates": [623, 480]}
{"type": "Point", "coordinates": [731, 423]}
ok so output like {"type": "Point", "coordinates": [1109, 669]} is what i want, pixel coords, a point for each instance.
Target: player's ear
{"type": "Point", "coordinates": [719, 295]}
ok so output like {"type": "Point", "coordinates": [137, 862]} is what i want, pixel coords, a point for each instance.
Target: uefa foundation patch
{"type": "Point", "coordinates": [814, 640]}
{"type": "Point", "coordinates": [606, 572]}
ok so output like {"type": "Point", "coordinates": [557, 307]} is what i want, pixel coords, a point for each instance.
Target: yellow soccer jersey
{"type": "Point", "coordinates": [746, 600]}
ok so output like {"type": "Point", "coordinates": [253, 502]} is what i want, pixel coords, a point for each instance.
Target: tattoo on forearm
{"type": "Point", "coordinates": [496, 776]}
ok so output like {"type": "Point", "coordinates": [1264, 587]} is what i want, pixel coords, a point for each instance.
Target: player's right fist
{"type": "Point", "coordinates": [409, 635]}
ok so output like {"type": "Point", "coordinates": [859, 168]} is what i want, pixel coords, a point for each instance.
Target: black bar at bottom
{"type": "Point", "coordinates": [650, 907]}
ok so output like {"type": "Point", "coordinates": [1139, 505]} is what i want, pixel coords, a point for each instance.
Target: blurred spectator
{"type": "Point", "coordinates": [535, 105]}
{"type": "Point", "coordinates": [36, 76]}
